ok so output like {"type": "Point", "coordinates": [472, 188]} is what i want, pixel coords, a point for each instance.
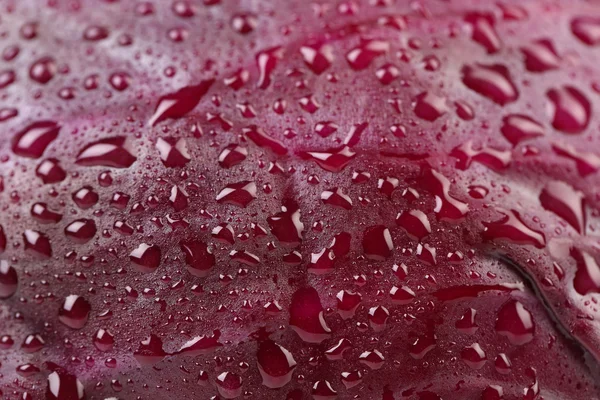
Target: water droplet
{"type": "Point", "coordinates": [238, 79]}
{"type": "Point", "coordinates": [9, 280]}
{"type": "Point", "coordinates": [119, 80]}
{"type": "Point", "coordinates": [484, 32]}
{"type": "Point", "coordinates": [512, 229]}
{"type": "Point", "coordinates": [402, 295]}
{"type": "Point", "coordinates": [430, 106]}
{"type": "Point", "coordinates": [334, 160]}
{"type": "Point", "coordinates": [363, 55]}
{"type": "Point", "coordinates": [261, 139]}
{"type": "Point", "coordinates": [377, 242]}
{"type": "Point", "coordinates": [466, 323]}
{"type": "Point", "coordinates": [239, 194]}
{"type": "Point", "coordinates": [378, 317]}
{"type": "Point", "coordinates": [503, 364]}
{"type": "Point", "coordinates": [492, 81]}
{"type": "Point", "coordinates": [447, 207]}
{"type": "Point", "coordinates": [587, 29]}
{"type": "Point", "coordinates": [372, 359]}
{"type": "Point", "coordinates": [232, 155]}
{"type": "Point", "coordinates": [387, 73]}
{"type": "Point", "coordinates": [37, 243]}
{"type": "Point", "coordinates": [85, 197]}
{"type": "Point", "coordinates": [95, 33]}
{"type": "Point", "coordinates": [347, 303]}
{"type": "Point", "coordinates": [111, 152]}
{"type": "Point", "coordinates": [422, 345]}
{"type": "Point", "coordinates": [50, 171]}
{"type": "Point", "coordinates": [336, 197]}
{"type": "Point", "coordinates": [587, 277]}
{"type": "Point", "coordinates": [490, 157]}
{"type": "Point", "coordinates": [198, 256]}
{"type": "Point", "coordinates": [266, 61]}
{"type": "Point", "coordinates": [201, 345]}
{"type": "Point", "coordinates": [275, 364]}
{"type": "Point", "coordinates": [32, 343]}
{"type": "Point", "coordinates": [415, 223]}
{"type": "Point", "coordinates": [322, 390]}
{"type": "Point", "coordinates": [570, 109]}
{"type": "Point", "coordinates": [541, 56]}
{"type": "Point", "coordinates": [81, 230]}
{"type": "Point", "coordinates": [74, 311]}
{"type": "Point", "coordinates": [515, 322]}
{"type": "Point", "coordinates": [146, 257]}
{"type": "Point", "coordinates": [306, 316]}
{"type": "Point", "coordinates": [43, 70]}
{"type": "Point", "coordinates": [493, 392]}
{"type": "Point", "coordinates": [474, 356]}
{"type": "Point", "coordinates": [244, 23]}
{"type": "Point", "coordinates": [64, 386]}
{"type": "Point", "coordinates": [566, 202]}
{"type": "Point", "coordinates": [43, 214]}
{"type": "Point", "coordinates": [317, 58]}
{"type": "Point", "coordinates": [229, 385]}
{"type": "Point", "coordinates": [103, 340]}
{"type": "Point", "coordinates": [351, 379]}
{"type": "Point", "coordinates": [32, 141]}
{"type": "Point", "coordinates": [178, 104]}
{"type": "Point", "coordinates": [587, 163]}
{"type": "Point", "coordinates": [286, 225]}
{"type": "Point", "coordinates": [150, 351]}
{"type": "Point", "coordinates": [7, 77]}
{"type": "Point", "coordinates": [518, 127]}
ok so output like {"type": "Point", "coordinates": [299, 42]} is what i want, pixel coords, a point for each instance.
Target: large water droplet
{"type": "Point", "coordinates": [198, 257]}
{"type": "Point", "coordinates": [37, 243]}
{"type": "Point", "coordinates": [74, 311]}
{"type": "Point", "coordinates": [317, 58]}
{"type": "Point", "coordinates": [275, 364]}
{"type": "Point", "coordinates": [239, 194]}
{"type": "Point", "coordinates": [484, 32]}
{"type": "Point", "coordinates": [43, 214]}
{"type": "Point", "coordinates": [260, 138]}
{"type": "Point", "coordinates": [150, 351]}
{"type": "Point", "coordinates": [570, 109]}
{"type": "Point", "coordinates": [9, 280]}
{"type": "Point", "coordinates": [64, 386]}
{"type": "Point", "coordinates": [515, 322]}
{"type": "Point", "coordinates": [490, 157]}
{"type": "Point", "coordinates": [111, 152]}
{"type": "Point", "coordinates": [229, 385]}
{"type": "Point", "coordinates": [146, 257]}
{"type": "Point", "coordinates": [587, 29]}
{"type": "Point", "coordinates": [179, 103]}
{"type": "Point", "coordinates": [43, 70]}
{"type": "Point", "coordinates": [512, 229]}
{"type": "Point", "coordinates": [33, 140]}
{"type": "Point", "coordinates": [415, 223]}
{"type": "Point", "coordinates": [173, 152]}
{"type": "Point", "coordinates": [363, 55]}
{"type": "Point", "coordinates": [334, 160]}
{"type": "Point", "coordinates": [306, 316]}
{"type": "Point", "coordinates": [377, 242]}
{"type": "Point", "coordinates": [430, 106]}
{"type": "Point", "coordinates": [587, 277]}
{"type": "Point", "coordinates": [492, 81]}
{"type": "Point", "coordinates": [81, 230]}
{"type": "Point", "coordinates": [474, 356]}
{"type": "Point", "coordinates": [566, 202]}
{"type": "Point", "coordinates": [517, 128]}
{"type": "Point", "coordinates": [541, 56]}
